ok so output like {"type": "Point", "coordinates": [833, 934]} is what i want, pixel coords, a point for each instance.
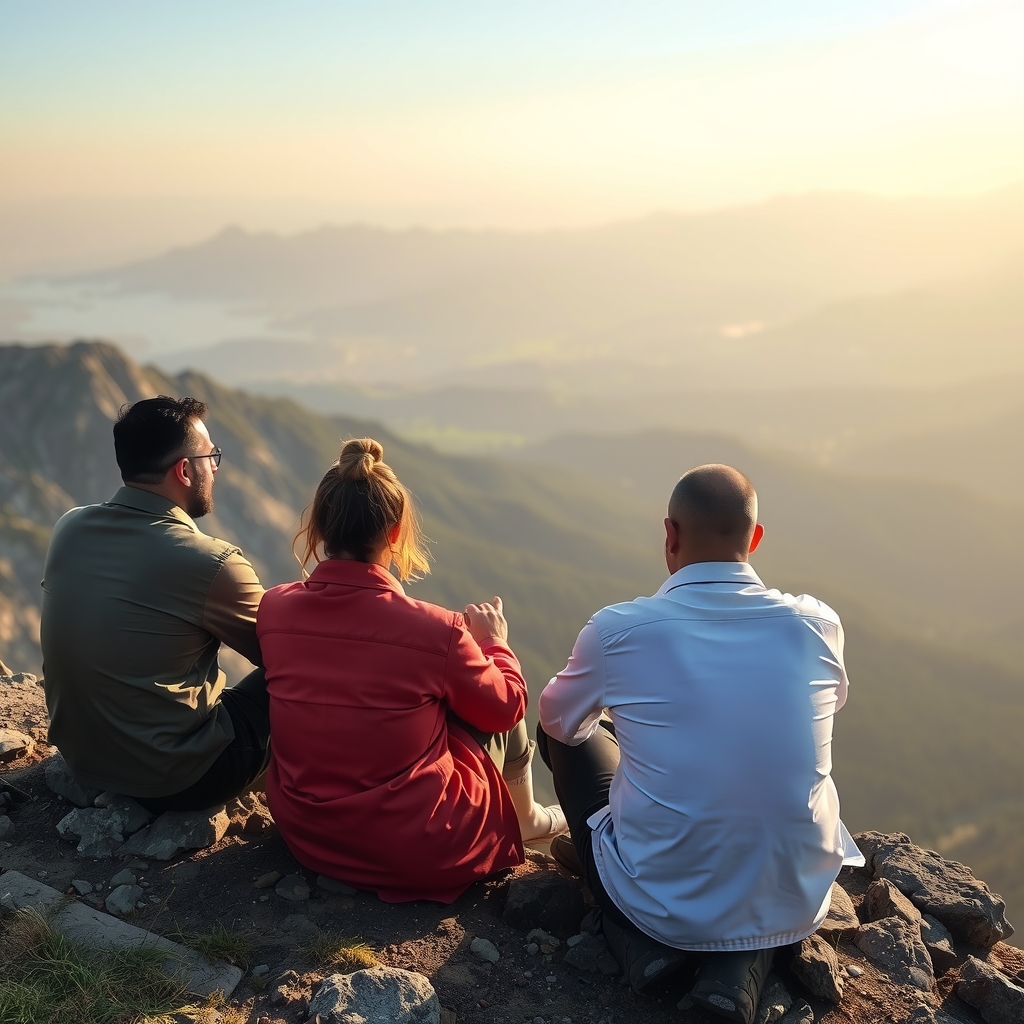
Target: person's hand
{"type": "Point", "coordinates": [486, 620]}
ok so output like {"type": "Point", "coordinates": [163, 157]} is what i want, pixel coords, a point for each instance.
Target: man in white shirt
{"type": "Point", "coordinates": [690, 741]}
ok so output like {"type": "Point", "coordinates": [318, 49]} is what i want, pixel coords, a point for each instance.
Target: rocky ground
{"type": "Point", "coordinates": [517, 948]}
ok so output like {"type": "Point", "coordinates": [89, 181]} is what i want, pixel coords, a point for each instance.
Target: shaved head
{"type": "Point", "coordinates": [715, 504]}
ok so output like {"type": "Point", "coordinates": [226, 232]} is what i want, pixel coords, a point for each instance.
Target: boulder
{"type": "Point", "coordinates": [61, 780]}
{"type": "Point", "coordinates": [816, 966]}
{"type": "Point", "coordinates": [939, 944]}
{"type": "Point", "coordinates": [842, 921]}
{"type": "Point", "coordinates": [122, 900]}
{"type": "Point", "coordinates": [945, 889]}
{"type": "Point", "coordinates": [101, 831]}
{"type": "Point", "coordinates": [991, 993]}
{"type": "Point", "coordinates": [14, 744]}
{"type": "Point", "coordinates": [545, 900]}
{"type": "Point", "coordinates": [175, 831]}
{"type": "Point", "coordinates": [883, 900]}
{"type": "Point", "coordinates": [378, 995]}
{"type": "Point", "coordinates": [897, 946]}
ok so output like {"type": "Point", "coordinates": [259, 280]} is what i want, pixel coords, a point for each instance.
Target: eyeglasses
{"type": "Point", "coordinates": [216, 455]}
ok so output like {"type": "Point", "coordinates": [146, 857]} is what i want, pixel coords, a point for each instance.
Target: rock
{"type": "Point", "coordinates": [842, 921]}
{"type": "Point", "coordinates": [939, 944]}
{"type": "Point", "coordinates": [100, 832]}
{"type": "Point", "coordinates": [991, 993]}
{"type": "Point", "coordinates": [898, 947]}
{"type": "Point", "coordinates": [293, 887]}
{"type": "Point", "coordinates": [484, 949]}
{"type": "Point", "coordinates": [545, 900]}
{"type": "Point", "coordinates": [6, 827]}
{"type": "Point", "coordinates": [267, 881]}
{"type": "Point", "coordinates": [332, 885]}
{"type": "Point", "coordinates": [883, 900]}
{"type": "Point", "coordinates": [801, 1013]}
{"type": "Point", "coordinates": [81, 886]}
{"type": "Point", "coordinates": [591, 954]}
{"type": "Point", "coordinates": [817, 968]}
{"type": "Point", "coordinates": [542, 938]}
{"type": "Point", "coordinates": [123, 899]}
{"type": "Point", "coordinates": [134, 815]}
{"type": "Point", "coordinates": [88, 927]}
{"type": "Point", "coordinates": [775, 1001]}
{"type": "Point", "coordinates": [175, 831]}
{"type": "Point", "coordinates": [378, 995]}
{"type": "Point", "coordinates": [123, 877]}
{"type": "Point", "coordinates": [854, 971]}
{"type": "Point", "coordinates": [14, 745]}
{"type": "Point", "coordinates": [249, 814]}
{"type": "Point", "coordinates": [927, 1015]}
{"type": "Point", "coordinates": [300, 928]}
{"type": "Point", "coordinates": [943, 888]}
{"type": "Point", "coordinates": [260, 970]}
{"type": "Point", "coordinates": [60, 779]}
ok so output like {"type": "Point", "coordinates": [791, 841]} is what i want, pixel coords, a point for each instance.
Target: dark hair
{"type": "Point", "coordinates": [149, 434]}
{"type": "Point", "coordinates": [357, 502]}
{"type": "Point", "coordinates": [714, 500]}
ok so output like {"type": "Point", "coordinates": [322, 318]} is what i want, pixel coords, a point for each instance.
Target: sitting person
{"type": "Point", "coordinates": [136, 603]}
{"type": "Point", "coordinates": [690, 741]}
{"type": "Point", "coordinates": [400, 761]}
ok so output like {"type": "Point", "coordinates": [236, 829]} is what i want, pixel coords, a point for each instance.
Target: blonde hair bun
{"type": "Point", "coordinates": [358, 458]}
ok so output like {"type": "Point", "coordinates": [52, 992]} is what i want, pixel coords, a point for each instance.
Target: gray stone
{"type": "Point", "coordinates": [332, 885]}
{"type": "Point", "coordinates": [775, 1001]}
{"type": "Point", "coordinates": [14, 744]}
{"type": "Point", "coordinates": [135, 816]}
{"type": "Point", "coordinates": [801, 1013]}
{"type": "Point", "coordinates": [300, 928]}
{"type": "Point", "coordinates": [268, 880]}
{"type": "Point", "coordinates": [260, 970]}
{"type": "Point", "coordinates": [842, 920]}
{"type": "Point", "coordinates": [60, 779]}
{"type": "Point", "coordinates": [991, 993]}
{"type": "Point", "coordinates": [897, 946]}
{"type": "Point", "coordinates": [123, 877]}
{"type": "Point", "coordinates": [379, 995]}
{"type": "Point", "coordinates": [943, 888]}
{"type": "Point", "coordinates": [175, 831]}
{"type": "Point", "coordinates": [884, 900]}
{"type": "Point", "coordinates": [83, 924]}
{"type": "Point", "coordinates": [816, 966]}
{"type": "Point", "coordinates": [545, 900]}
{"type": "Point", "coordinates": [6, 827]}
{"type": "Point", "coordinates": [100, 832]}
{"type": "Point", "coordinates": [293, 887]}
{"type": "Point", "coordinates": [591, 954]}
{"type": "Point", "coordinates": [854, 971]}
{"type": "Point", "coordinates": [81, 886]}
{"type": "Point", "coordinates": [927, 1015]}
{"type": "Point", "coordinates": [484, 949]}
{"type": "Point", "coordinates": [939, 944]}
{"type": "Point", "coordinates": [123, 899]}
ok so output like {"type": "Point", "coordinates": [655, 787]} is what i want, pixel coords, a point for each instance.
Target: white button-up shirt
{"type": "Point", "coordinates": [722, 829]}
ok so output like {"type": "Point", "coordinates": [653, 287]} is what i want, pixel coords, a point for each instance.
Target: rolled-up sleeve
{"type": "Point", "coordinates": [231, 605]}
{"type": "Point", "coordinates": [570, 705]}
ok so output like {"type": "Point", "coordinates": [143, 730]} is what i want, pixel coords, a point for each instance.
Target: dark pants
{"type": "Point", "coordinates": [241, 762]}
{"type": "Point", "coordinates": [583, 776]}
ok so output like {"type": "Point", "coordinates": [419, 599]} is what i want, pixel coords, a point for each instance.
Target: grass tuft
{"type": "Point", "coordinates": [330, 950]}
{"type": "Point", "coordinates": [219, 943]}
{"type": "Point", "coordinates": [45, 979]}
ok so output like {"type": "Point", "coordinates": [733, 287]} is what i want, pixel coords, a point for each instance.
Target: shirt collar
{"type": "Point", "coordinates": [355, 574]}
{"type": "Point", "coordinates": [155, 504]}
{"type": "Point", "coordinates": [740, 573]}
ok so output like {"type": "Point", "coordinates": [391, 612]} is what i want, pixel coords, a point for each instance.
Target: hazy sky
{"type": "Point", "coordinates": [509, 114]}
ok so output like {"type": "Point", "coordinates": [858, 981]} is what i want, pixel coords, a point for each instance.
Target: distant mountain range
{"type": "Point", "coordinates": [925, 576]}
{"type": "Point", "coordinates": [819, 289]}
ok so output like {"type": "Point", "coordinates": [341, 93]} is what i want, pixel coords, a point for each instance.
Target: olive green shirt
{"type": "Point", "coordinates": [136, 603]}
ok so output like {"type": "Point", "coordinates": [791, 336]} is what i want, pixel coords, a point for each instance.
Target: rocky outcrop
{"type": "Point", "coordinates": [945, 889]}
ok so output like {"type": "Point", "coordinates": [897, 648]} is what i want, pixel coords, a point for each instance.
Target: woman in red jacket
{"type": "Point", "coordinates": [400, 760]}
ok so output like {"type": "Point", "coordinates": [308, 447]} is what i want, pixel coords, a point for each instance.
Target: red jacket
{"type": "Point", "coordinates": [369, 782]}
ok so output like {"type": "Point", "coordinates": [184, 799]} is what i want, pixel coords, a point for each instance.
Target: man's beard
{"type": "Point", "coordinates": [201, 503]}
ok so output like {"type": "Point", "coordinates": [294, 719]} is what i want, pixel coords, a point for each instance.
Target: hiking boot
{"type": "Point", "coordinates": [643, 960]}
{"type": "Point", "coordinates": [564, 852]}
{"type": "Point", "coordinates": [729, 984]}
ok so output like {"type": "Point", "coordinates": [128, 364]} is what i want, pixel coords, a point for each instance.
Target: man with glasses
{"type": "Point", "coordinates": [136, 603]}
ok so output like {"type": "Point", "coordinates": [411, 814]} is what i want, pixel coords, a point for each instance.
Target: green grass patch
{"type": "Point", "coordinates": [345, 952]}
{"type": "Point", "coordinates": [220, 944]}
{"type": "Point", "coordinates": [45, 979]}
